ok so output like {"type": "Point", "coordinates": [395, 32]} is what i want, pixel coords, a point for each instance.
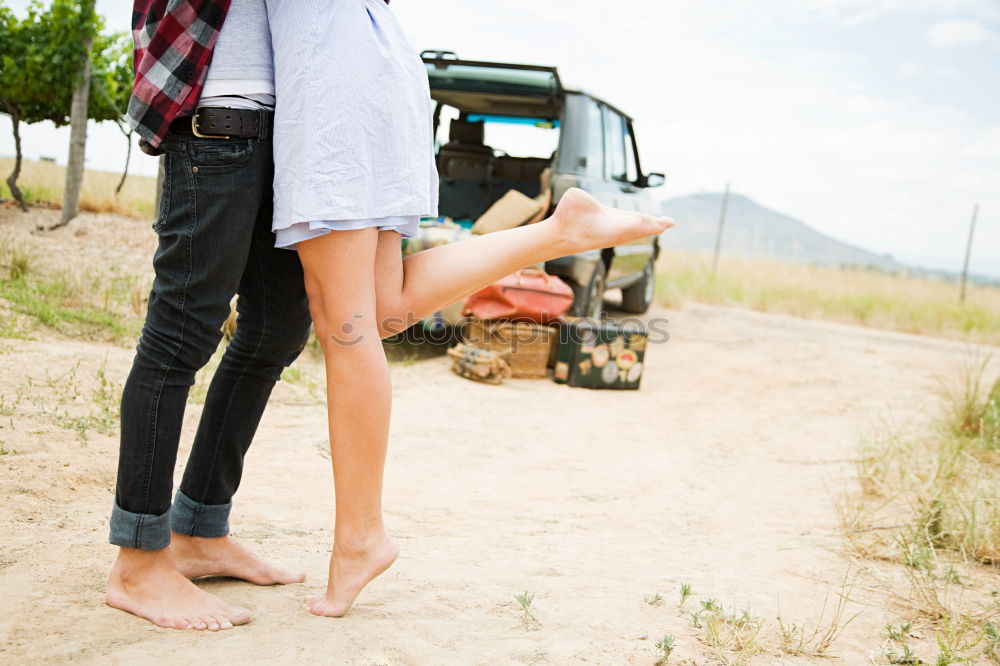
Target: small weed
{"type": "Point", "coordinates": [951, 576]}
{"type": "Point", "coordinates": [20, 263]}
{"type": "Point", "coordinates": [664, 648]}
{"type": "Point", "coordinates": [9, 407]}
{"type": "Point", "coordinates": [654, 599]}
{"type": "Point", "coordinates": [958, 641]}
{"type": "Point", "coordinates": [966, 402]}
{"type": "Point", "coordinates": [16, 259]}
{"type": "Point", "coordinates": [525, 599]}
{"type": "Point", "coordinates": [733, 637]}
{"type": "Point", "coordinates": [686, 593]}
{"type": "Point", "coordinates": [898, 634]}
{"type": "Point", "coordinates": [100, 409]}
{"type": "Point", "coordinates": [4, 451]}
{"type": "Point", "coordinates": [896, 639]}
{"type": "Point", "coordinates": [711, 606]}
{"type": "Point", "coordinates": [917, 555]}
{"type": "Point", "coordinates": [991, 637]}
{"type": "Point", "coordinates": [907, 656]}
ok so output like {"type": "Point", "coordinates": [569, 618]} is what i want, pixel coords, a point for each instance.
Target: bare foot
{"type": "Point", "coordinates": [147, 584]}
{"type": "Point", "coordinates": [350, 570]}
{"type": "Point", "coordinates": [196, 557]}
{"type": "Point", "coordinates": [583, 223]}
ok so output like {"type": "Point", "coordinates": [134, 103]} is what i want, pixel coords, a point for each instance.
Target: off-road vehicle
{"type": "Point", "coordinates": [498, 126]}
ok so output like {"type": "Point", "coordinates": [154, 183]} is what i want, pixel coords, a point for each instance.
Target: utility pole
{"type": "Point", "coordinates": [968, 251]}
{"type": "Point", "coordinates": [718, 234]}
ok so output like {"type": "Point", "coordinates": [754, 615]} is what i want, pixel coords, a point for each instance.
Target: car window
{"type": "Point", "coordinates": [516, 136]}
{"type": "Point", "coordinates": [614, 145]}
{"type": "Point", "coordinates": [592, 160]}
{"type": "Point", "coordinates": [631, 163]}
{"type": "Point", "coordinates": [520, 136]}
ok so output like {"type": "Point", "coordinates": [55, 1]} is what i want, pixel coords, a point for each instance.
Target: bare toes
{"type": "Point", "coordinates": [319, 607]}
{"type": "Point", "coordinates": [222, 622]}
{"type": "Point", "coordinates": [238, 615]}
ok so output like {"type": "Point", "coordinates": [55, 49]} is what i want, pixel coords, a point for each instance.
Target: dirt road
{"type": "Point", "coordinates": [719, 472]}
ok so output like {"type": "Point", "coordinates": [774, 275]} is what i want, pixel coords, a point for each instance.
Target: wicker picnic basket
{"type": "Point", "coordinates": [526, 347]}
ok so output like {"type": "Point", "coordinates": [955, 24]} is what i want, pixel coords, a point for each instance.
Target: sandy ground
{"type": "Point", "coordinates": [720, 472]}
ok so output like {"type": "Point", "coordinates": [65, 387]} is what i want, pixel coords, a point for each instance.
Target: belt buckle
{"type": "Point", "coordinates": [194, 127]}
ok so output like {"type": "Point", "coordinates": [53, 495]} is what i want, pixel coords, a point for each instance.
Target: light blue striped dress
{"type": "Point", "coordinates": [353, 145]}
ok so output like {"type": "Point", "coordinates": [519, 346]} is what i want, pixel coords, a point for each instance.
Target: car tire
{"type": "Point", "coordinates": [636, 298]}
{"type": "Point", "coordinates": [588, 300]}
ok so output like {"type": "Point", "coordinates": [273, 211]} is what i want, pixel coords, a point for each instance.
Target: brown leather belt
{"type": "Point", "coordinates": [225, 123]}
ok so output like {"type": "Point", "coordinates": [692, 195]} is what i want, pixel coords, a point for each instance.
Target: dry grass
{"type": "Point", "coordinates": [83, 303]}
{"type": "Point", "coordinates": [42, 184]}
{"type": "Point", "coordinates": [817, 637]}
{"type": "Point", "coordinates": [850, 296]}
{"type": "Point", "coordinates": [930, 502]}
{"type": "Point", "coordinates": [941, 487]}
{"type": "Point", "coordinates": [734, 637]}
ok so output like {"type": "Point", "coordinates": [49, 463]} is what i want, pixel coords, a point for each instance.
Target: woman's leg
{"type": "Point", "coordinates": [340, 283]}
{"type": "Point", "coordinates": [410, 290]}
{"type": "Point", "coordinates": [343, 270]}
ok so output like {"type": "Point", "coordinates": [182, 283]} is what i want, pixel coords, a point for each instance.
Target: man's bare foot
{"type": "Point", "coordinates": [196, 557]}
{"type": "Point", "coordinates": [582, 223]}
{"type": "Point", "coordinates": [350, 570]}
{"type": "Point", "coordinates": [147, 584]}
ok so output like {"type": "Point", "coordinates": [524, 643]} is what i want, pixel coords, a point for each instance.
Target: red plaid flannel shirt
{"type": "Point", "coordinates": [174, 40]}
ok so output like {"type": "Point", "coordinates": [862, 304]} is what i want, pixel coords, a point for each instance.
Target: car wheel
{"type": "Point", "coordinates": [588, 300]}
{"type": "Point", "coordinates": [637, 298]}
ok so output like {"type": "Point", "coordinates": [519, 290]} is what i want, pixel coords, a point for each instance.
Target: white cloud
{"type": "Point", "coordinates": [960, 32]}
{"type": "Point", "coordinates": [911, 70]}
{"type": "Point", "coordinates": [854, 12]}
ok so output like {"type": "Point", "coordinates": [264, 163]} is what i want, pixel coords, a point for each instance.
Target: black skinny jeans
{"type": "Point", "coordinates": [215, 240]}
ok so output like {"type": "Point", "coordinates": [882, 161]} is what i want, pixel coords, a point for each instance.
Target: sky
{"type": "Point", "coordinates": [874, 121]}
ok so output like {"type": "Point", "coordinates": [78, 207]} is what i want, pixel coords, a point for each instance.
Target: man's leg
{"type": "Point", "coordinates": [210, 200]}
{"type": "Point", "coordinates": [272, 329]}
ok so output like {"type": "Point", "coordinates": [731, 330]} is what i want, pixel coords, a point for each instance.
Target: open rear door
{"type": "Point", "coordinates": [493, 87]}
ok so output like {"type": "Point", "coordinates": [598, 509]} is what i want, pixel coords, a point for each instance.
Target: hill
{"type": "Point", "coordinates": [753, 230]}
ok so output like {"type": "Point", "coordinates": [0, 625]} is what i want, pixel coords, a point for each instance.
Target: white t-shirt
{"type": "Point", "coordinates": [241, 74]}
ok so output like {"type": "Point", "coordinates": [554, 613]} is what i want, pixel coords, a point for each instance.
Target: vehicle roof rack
{"type": "Point", "coordinates": [434, 54]}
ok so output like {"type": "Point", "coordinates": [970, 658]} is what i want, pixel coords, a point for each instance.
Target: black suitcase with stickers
{"type": "Point", "coordinates": [600, 355]}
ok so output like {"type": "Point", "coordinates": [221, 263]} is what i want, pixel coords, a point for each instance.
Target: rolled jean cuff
{"type": "Point", "coordinates": [139, 530]}
{"type": "Point", "coordinates": [195, 519]}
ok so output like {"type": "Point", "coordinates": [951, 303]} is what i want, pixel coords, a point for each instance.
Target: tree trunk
{"type": "Point", "coordinates": [128, 156]}
{"type": "Point", "coordinates": [15, 121]}
{"type": "Point", "coordinates": [78, 122]}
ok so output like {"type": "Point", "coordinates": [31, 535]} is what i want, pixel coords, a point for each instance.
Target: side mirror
{"type": "Point", "coordinates": [654, 180]}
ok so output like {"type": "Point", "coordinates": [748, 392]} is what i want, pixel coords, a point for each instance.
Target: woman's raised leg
{"type": "Point", "coordinates": [340, 282]}
{"type": "Point", "coordinates": [410, 290]}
